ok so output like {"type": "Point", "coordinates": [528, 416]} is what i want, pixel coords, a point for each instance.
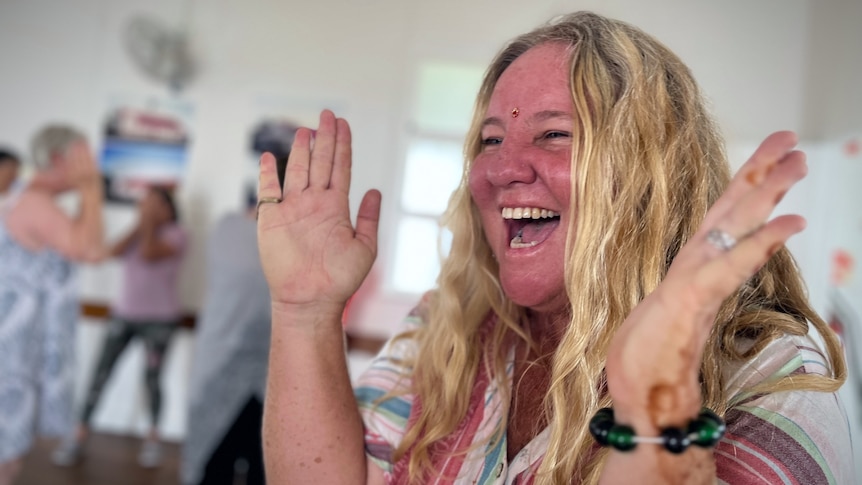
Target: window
{"type": "Point", "coordinates": [444, 97]}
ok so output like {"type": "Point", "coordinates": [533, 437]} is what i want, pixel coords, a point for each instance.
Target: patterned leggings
{"type": "Point", "coordinates": [156, 336]}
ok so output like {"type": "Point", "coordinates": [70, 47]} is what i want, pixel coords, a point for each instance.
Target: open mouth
{"type": "Point", "coordinates": [529, 226]}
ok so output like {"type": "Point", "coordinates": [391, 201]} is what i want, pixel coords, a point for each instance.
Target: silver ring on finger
{"type": "Point", "coordinates": [720, 239]}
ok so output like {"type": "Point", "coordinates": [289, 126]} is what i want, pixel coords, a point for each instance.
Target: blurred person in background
{"type": "Point", "coordinates": [39, 307]}
{"type": "Point", "coordinates": [230, 362]}
{"type": "Point", "coordinates": [10, 165]}
{"type": "Point", "coordinates": [148, 308]}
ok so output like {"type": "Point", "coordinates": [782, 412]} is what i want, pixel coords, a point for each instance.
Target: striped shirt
{"type": "Point", "coordinates": [799, 437]}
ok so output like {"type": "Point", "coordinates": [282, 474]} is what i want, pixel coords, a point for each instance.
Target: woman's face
{"type": "Point", "coordinates": [521, 179]}
{"type": "Point", "coordinates": [153, 205]}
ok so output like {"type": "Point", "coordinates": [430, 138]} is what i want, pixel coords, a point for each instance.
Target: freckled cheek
{"type": "Point", "coordinates": [480, 188]}
{"type": "Point", "coordinates": [482, 193]}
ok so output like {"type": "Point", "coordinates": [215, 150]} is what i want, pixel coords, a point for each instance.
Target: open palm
{"type": "Point", "coordinates": [654, 358]}
{"type": "Point", "coordinates": [310, 251]}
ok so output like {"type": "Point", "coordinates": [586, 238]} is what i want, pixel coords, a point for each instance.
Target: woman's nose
{"type": "Point", "coordinates": [511, 166]}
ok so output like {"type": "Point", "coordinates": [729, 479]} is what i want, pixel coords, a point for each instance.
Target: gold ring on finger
{"type": "Point", "coordinates": [266, 200]}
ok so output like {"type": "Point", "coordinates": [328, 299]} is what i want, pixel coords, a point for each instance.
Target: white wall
{"type": "Point", "coordinates": [62, 59]}
{"type": "Point", "coordinates": [841, 210]}
{"type": "Point", "coordinates": [834, 106]}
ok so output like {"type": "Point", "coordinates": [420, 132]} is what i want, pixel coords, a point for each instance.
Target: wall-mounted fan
{"type": "Point", "coordinates": [159, 51]}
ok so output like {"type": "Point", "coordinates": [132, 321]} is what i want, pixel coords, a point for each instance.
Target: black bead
{"type": "Point", "coordinates": [606, 414]}
{"type": "Point", "coordinates": [675, 440]}
{"type": "Point", "coordinates": [705, 431]}
{"type": "Point", "coordinates": [601, 425]}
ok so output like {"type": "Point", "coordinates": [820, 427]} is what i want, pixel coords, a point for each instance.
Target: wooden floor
{"type": "Point", "coordinates": [108, 460]}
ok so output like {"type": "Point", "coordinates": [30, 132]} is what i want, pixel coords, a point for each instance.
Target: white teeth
{"type": "Point", "coordinates": [517, 243]}
{"type": "Point", "coordinates": [527, 213]}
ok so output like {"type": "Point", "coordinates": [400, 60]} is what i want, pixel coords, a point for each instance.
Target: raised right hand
{"type": "Point", "coordinates": [312, 255]}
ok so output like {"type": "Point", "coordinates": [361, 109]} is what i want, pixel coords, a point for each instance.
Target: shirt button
{"type": "Point", "coordinates": [500, 469]}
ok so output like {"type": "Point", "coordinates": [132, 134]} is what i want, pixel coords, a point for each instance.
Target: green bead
{"type": "Point", "coordinates": [706, 433]}
{"type": "Point", "coordinates": [622, 437]}
{"type": "Point", "coordinates": [708, 428]}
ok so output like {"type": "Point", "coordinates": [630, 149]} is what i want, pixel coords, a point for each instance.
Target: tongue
{"type": "Point", "coordinates": [538, 231]}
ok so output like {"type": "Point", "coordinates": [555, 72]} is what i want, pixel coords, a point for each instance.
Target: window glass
{"type": "Point", "coordinates": [432, 172]}
{"type": "Point", "coordinates": [441, 111]}
{"type": "Point", "coordinates": [417, 258]}
{"type": "Point", "coordinates": [445, 96]}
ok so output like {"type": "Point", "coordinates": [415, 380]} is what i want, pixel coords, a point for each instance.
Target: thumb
{"type": "Point", "coordinates": [368, 219]}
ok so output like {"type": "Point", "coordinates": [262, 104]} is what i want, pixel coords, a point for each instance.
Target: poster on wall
{"type": "Point", "coordinates": [146, 142]}
{"type": "Point", "coordinates": [276, 119]}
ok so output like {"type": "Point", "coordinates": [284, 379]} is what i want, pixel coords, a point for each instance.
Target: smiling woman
{"type": "Point", "coordinates": [584, 274]}
{"type": "Point", "coordinates": [523, 166]}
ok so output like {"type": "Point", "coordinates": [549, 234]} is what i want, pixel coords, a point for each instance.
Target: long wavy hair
{"type": "Point", "coordinates": [647, 163]}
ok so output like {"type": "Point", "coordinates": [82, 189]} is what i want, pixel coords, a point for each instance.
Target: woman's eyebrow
{"type": "Point", "coordinates": [538, 117]}
{"type": "Point", "coordinates": [492, 121]}
{"type": "Point", "coordinates": [550, 114]}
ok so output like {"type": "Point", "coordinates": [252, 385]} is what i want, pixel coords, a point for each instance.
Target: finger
{"type": "Point", "coordinates": [296, 172]}
{"type": "Point", "coordinates": [323, 152]}
{"type": "Point", "coordinates": [756, 205]}
{"type": "Point", "coordinates": [770, 152]}
{"type": "Point", "coordinates": [722, 276]}
{"type": "Point", "coordinates": [343, 157]}
{"type": "Point", "coordinates": [368, 218]}
{"type": "Point", "coordinates": [268, 188]}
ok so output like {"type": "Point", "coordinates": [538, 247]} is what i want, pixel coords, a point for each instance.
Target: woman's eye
{"type": "Point", "coordinates": [557, 134]}
{"type": "Point", "coordinates": [491, 141]}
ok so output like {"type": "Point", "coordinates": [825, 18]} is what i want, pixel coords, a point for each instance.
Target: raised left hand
{"type": "Point", "coordinates": [654, 358]}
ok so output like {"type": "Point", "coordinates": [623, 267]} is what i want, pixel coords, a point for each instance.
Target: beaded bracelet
{"type": "Point", "coordinates": [704, 431]}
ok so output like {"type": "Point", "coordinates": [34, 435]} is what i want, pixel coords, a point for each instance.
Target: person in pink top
{"type": "Point", "coordinates": [148, 307]}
